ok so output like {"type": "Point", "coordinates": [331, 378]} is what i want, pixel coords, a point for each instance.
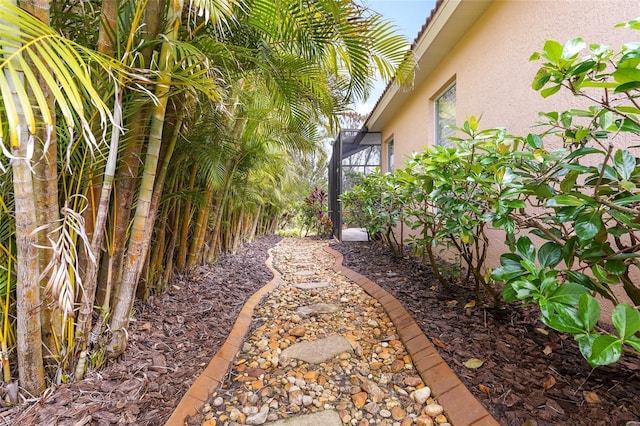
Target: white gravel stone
{"type": "Point", "coordinates": [260, 417]}
{"type": "Point", "coordinates": [433, 410]}
{"type": "Point", "coordinates": [421, 395]}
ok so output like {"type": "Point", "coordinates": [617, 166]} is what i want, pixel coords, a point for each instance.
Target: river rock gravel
{"type": "Point", "coordinates": [370, 382]}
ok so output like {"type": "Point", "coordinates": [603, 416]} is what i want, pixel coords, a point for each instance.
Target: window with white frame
{"type": "Point", "coordinates": [390, 166]}
{"type": "Point", "coordinates": [445, 115]}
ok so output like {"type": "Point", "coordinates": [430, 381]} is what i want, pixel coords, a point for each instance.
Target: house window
{"type": "Point", "coordinates": [390, 166]}
{"type": "Point", "coordinates": [446, 116]}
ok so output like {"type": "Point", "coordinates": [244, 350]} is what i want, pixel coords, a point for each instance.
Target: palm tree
{"type": "Point", "coordinates": [27, 43]}
{"type": "Point", "coordinates": [268, 73]}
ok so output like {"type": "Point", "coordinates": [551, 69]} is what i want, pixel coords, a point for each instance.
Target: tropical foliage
{"type": "Point", "coordinates": [567, 200]}
{"type": "Point", "coordinates": [140, 138]}
{"type": "Point", "coordinates": [314, 213]}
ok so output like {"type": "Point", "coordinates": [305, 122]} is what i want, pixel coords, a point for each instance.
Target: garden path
{"type": "Point", "coordinates": [322, 345]}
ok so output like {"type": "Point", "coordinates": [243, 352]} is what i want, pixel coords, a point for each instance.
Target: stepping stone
{"type": "Point", "coordinates": [324, 418]}
{"type": "Point", "coordinates": [308, 286]}
{"type": "Point", "coordinates": [304, 273]}
{"type": "Point", "coordinates": [319, 350]}
{"type": "Point", "coordinates": [319, 308]}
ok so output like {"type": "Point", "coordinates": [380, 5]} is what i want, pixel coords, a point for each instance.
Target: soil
{"type": "Point", "coordinates": [172, 338]}
{"type": "Point", "coordinates": [531, 374]}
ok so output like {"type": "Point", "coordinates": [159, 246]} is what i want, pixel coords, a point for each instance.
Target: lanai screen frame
{"type": "Point", "coordinates": [348, 143]}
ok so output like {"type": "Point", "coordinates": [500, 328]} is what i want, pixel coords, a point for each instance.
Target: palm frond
{"type": "Point", "coordinates": [32, 54]}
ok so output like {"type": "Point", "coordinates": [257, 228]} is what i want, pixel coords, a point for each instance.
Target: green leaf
{"type": "Point", "coordinates": [585, 343]}
{"type": "Point", "coordinates": [615, 266]}
{"type": "Point", "coordinates": [565, 319]}
{"type": "Point", "coordinates": [589, 310]}
{"type": "Point", "coordinates": [625, 75]}
{"type": "Point", "coordinates": [534, 141]}
{"type": "Point", "coordinates": [569, 181]}
{"type": "Point", "coordinates": [515, 204]}
{"type": "Point", "coordinates": [587, 282]}
{"type": "Point", "coordinates": [582, 67]}
{"type": "Point", "coordinates": [601, 275]}
{"type": "Point", "coordinates": [626, 320]}
{"type": "Point", "coordinates": [605, 350]}
{"type": "Point", "coordinates": [542, 77]}
{"type": "Point", "coordinates": [572, 48]}
{"type": "Point", "coordinates": [583, 151]}
{"type": "Point", "coordinates": [553, 51]}
{"type": "Point", "coordinates": [627, 87]}
{"type": "Point", "coordinates": [627, 185]}
{"type": "Point", "coordinates": [634, 23]}
{"type": "Point", "coordinates": [606, 119]}
{"type": "Point", "coordinates": [526, 248]}
{"type": "Point", "coordinates": [564, 200]}
{"type": "Point", "coordinates": [588, 226]}
{"type": "Point", "coordinates": [569, 251]}
{"type": "Point", "coordinates": [624, 163]}
{"type": "Point", "coordinates": [568, 294]}
{"type": "Point", "coordinates": [628, 109]}
{"type": "Point", "coordinates": [550, 91]}
{"type": "Point", "coordinates": [550, 254]}
{"type": "Point", "coordinates": [568, 214]}
{"type": "Point", "coordinates": [634, 342]}
{"type": "Point", "coordinates": [629, 126]}
{"type": "Point", "coordinates": [509, 293]}
{"type": "Point", "coordinates": [525, 289]}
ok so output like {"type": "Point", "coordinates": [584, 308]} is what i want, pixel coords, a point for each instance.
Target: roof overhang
{"type": "Point", "coordinates": [442, 31]}
{"type": "Point", "coordinates": [356, 140]}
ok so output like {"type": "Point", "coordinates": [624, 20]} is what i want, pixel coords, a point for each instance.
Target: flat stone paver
{"type": "Point", "coordinates": [318, 351]}
{"type": "Point", "coordinates": [317, 309]}
{"type": "Point", "coordinates": [312, 285]}
{"type": "Point", "coordinates": [321, 418]}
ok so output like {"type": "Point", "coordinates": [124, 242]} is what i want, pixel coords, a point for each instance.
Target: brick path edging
{"type": "Point", "coordinates": [461, 407]}
{"type": "Point", "coordinates": [213, 375]}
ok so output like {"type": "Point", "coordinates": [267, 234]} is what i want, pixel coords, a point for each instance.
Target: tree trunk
{"type": "Point", "coordinates": [200, 228]}
{"type": "Point", "coordinates": [45, 193]}
{"type": "Point", "coordinates": [138, 239]}
{"type": "Point", "coordinates": [90, 280]}
{"type": "Point", "coordinates": [28, 301]}
{"type": "Point", "coordinates": [90, 276]}
{"type": "Point", "coordinates": [127, 178]}
{"type": "Point", "coordinates": [181, 259]}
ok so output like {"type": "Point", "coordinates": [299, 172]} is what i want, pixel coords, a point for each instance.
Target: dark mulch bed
{"type": "Point", "coordinates": [519, 384]}
{"type": "Point", "coordinates": [172, 338]}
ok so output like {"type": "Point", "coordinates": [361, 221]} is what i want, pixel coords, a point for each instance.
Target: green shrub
{"type": "Point", "coordinates": [585, 199]}
{"type": "Point", "coordinates": [377, 204]}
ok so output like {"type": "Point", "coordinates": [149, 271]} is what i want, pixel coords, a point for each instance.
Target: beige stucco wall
{"type": "Point", "coordinates": [491, 68]}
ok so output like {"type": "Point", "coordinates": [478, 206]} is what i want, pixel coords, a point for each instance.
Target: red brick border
{"type": "Point", "coordinates": [461, 407]}
{"type": "Point", "coordinates": [209, 381]}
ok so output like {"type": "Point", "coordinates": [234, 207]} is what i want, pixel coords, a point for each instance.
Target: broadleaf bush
{"type": "Point", "coordinates": [567, 199]}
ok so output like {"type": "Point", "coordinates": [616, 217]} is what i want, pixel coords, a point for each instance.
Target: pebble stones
{"type": "Point", "coordinates": [322, 352]}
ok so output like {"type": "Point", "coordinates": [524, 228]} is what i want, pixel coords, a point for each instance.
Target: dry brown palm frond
{"type": "Point", "coordinates": [64, 276]}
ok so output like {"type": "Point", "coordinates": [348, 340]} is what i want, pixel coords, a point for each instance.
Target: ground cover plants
{"type": "Point", "coordinates": [566, 198]}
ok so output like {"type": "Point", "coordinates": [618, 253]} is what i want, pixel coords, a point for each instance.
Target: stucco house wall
{"type": "Point", "coordinates": [490, 66]}
{"type": "Point", "coordinates": [484, 46]}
